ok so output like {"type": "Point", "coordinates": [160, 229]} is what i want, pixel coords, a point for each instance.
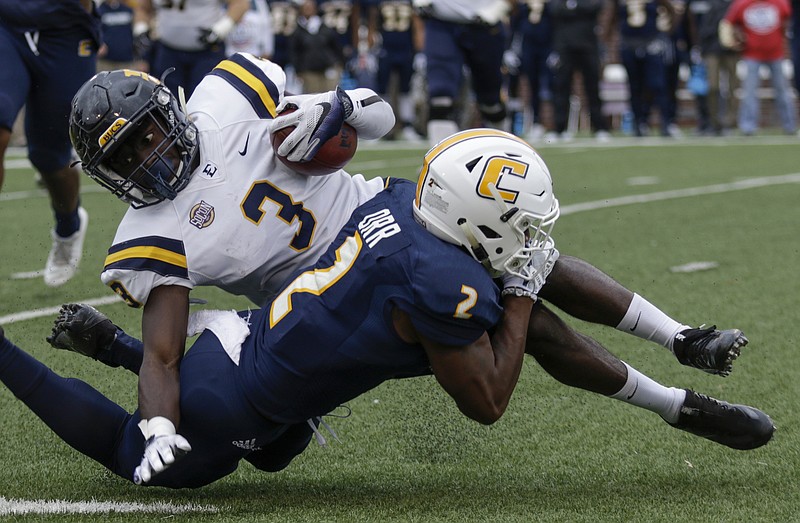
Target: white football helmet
{"type": "Point", "coordinates": [490, 192]}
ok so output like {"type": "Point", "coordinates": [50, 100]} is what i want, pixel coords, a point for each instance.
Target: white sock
{"type": "Point", "coordinates": [643, 392]}
{"type": "Point", "coordinates": [405, 108]}
{"type": "Point", "coordinates": [646, 321]}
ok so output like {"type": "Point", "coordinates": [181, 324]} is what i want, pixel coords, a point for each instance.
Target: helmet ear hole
{"type": "Point", "coordinates": [489, 232]}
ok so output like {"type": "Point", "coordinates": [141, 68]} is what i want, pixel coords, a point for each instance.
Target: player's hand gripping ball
{"type": "Point", "coordinates": [332, 155]}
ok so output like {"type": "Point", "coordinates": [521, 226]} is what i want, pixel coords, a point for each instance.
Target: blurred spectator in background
{"type": "Point", "coordinates": [762, 24]}
{"type": "Point", "coordinates": [48, 50]}
{"type": "Point", "coordinates": [459, 33]}
{"type": "Point", "coordinates": [253, 33]}
{"type": "Point", "coordinates": [697, 83]}
{"type": "Point", "coordinates": [315, 51]}
{"type": "Point", "coordinates": [284, 22]}
{"type": "Point", "coordinates": [644, 41]}
{"type": "Point", "coordinates": [533, 32]}
{"type": "Point", "coordinates": [116, 17]}
{"type": "Point", "coordinates": [576, 47]}
{"type": "Point", "coordinates": [676, 55]}
{"type": "Point", "coordinates": [396, 30]}
{"type": "Point", "coordinates": [720, 62]}
{"type": "Point", "coordinates": [344, 17]}
{"type": "Point", "coordinates": [190, 36]}
{"type": "Point", "coordinates": [794, 43]}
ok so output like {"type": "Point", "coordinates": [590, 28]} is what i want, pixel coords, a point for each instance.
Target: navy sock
{"type": "Point", "coordinates": [67, 224]}
{"type": "Point", "coordinates": [125, 351]}
{"type": "Point", "coordinates": [80, 415]}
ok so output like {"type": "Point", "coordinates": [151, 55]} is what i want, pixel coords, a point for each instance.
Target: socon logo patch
{"type": "Point", "coordinates": [201, 215]}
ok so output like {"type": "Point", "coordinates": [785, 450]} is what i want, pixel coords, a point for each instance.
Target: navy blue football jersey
{"type": "Point", "coordinates": [328, 336]}
{"type": "Point", "coordinates": [41, 15]}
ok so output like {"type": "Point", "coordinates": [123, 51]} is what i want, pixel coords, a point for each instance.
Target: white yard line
{"type": "Point", "coordinates": [16, 507]}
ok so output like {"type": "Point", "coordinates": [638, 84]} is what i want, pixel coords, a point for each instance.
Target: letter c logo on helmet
{"type": "Point", "coordinates": [490, 192]}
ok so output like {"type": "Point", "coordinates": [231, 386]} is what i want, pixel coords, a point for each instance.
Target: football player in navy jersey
{"type": "Point", "coordinates": [533, 24]}
{"type": "Point", "coordinates": [344, 17]}
{"type": "Point", "coordinates": [401, 41]}
{"type": "Point", "coordinates": [462, 33]}
{"type": "Point", "coordinates": [644, 27]}
{"type": "Point", "coordinates": [416, 305]}
{"type": "Point", "coordinates": [48, 50]}
{"type": "Point", "coordinates": [437, 278]}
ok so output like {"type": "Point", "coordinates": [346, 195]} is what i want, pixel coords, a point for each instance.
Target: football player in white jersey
{"type": "Point", "coordinates": [190, 34]}
{"type": "Point", "coordinates": [211, 205]}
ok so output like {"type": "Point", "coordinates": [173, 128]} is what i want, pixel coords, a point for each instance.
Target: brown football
{"type": "Point", "coordinates": [332, 156]}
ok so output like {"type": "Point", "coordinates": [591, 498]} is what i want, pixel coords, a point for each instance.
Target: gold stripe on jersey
{"type": "Point", "coordinates": [250, 80]}
{"type": "Point", "coordinates": [150, 253]}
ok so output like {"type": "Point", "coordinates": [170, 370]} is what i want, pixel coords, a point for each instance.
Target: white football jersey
{"type": "Point", "coordinates": [244, 222]}
{"type": "Point", "coordinates": [467, 11]}
{"type": "Point", "coordinates": [178, 24]}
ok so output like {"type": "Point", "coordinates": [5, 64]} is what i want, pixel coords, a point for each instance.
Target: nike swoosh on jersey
{"type": "Point", "coordinates": [246, 142]}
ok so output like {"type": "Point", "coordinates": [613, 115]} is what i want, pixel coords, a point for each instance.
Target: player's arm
{"type": "Point", "coordinates": [164, 323]}
{"type": "Point", "coordinates": [482, 375]}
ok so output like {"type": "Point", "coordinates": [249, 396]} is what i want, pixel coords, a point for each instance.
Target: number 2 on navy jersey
{"type": "Point", "coordinates": [288, 211]}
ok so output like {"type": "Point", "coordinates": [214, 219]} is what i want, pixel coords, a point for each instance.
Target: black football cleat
{"type": "Point", "coordinates": [83, 329]}
{"type": "Point", "coordinates": [709, 349]}
{"type": "Point", "coordinates": [736, 426]}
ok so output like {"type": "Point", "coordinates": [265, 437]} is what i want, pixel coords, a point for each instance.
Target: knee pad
{"type": "Point", "coordinates": [493, 114]}
{"type": "Point", "coordinates": [441, 108]}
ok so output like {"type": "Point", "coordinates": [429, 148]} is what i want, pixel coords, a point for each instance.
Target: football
{"type": "Point", "coordinates": [332, 156]}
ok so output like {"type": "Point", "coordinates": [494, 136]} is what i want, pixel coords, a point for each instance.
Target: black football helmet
{"type": "Point", "coordinates": [116, 115]}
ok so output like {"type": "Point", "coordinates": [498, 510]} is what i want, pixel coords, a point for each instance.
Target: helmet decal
{"type": "Point", "coordinates": [493, 172]}
{"type": "Point", "coordinates": [111, 131]}
{"type": "Point", "coordinates": [491, 193]}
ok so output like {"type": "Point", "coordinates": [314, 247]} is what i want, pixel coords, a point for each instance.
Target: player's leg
{"type": "Point", "coordinates": [277, 455]}
{"type": "Point", "coordinates": [444, 72]}
{"type": "Point", "coordinates": [65, 61]}
{"type": "Point", "coordinates": [579, 361]}
{"type": "Point", "coordinates": [585, 292]}
{"type": "Point", "coordinates": [14, 85]}
{"type": "Point", "coordinates": [483, 48]}
{"type": "Point", "coordinates": [80, 415]}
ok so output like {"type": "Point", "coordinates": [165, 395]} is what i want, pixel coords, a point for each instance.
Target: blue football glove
{"type": "Point", "coordinates": [162, 448]}
{"type": "Point", "coordinates": [317, 119]}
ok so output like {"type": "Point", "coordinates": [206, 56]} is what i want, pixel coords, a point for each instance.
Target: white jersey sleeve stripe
{"type": "Point", "coordinates": [251, 82]}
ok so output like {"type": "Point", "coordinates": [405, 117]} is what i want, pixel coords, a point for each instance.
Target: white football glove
{"type": "Point", "coordinates": [317, 118]}
{"type": "Point", "coordinates": [217, 32]}
{"type": "Point", "coordinates": [162, 449]}
{"type": "Point", "coordinates": [543, 261]}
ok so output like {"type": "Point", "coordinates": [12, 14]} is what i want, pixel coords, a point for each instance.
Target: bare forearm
{"type": "Point", "coordinates": [508, 344]}
{"type": "Point", "coordinates": [585, 292]}
{"type": "Point", "coordinates": [159, 391]}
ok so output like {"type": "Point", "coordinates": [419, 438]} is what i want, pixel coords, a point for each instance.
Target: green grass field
{"type": "Point", "coordinates": [558, 454]}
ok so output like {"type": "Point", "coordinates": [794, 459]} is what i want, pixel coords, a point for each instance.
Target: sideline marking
{"type": "Point", "coordinates": [739, 185]}
{"type": "Point", "coordinates": [41, 506]}
{"type": "Point", "coordinates": [49, 311]}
